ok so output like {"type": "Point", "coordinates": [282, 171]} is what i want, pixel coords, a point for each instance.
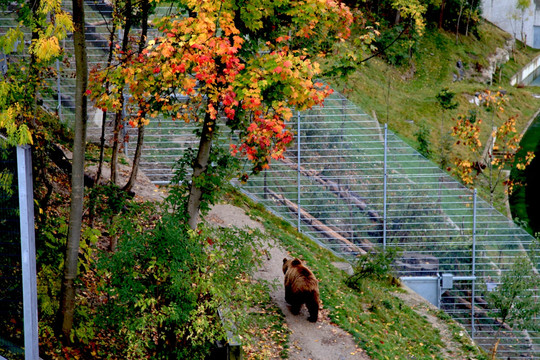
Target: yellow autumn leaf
{"type": "Point", "coordinates": [48, 6]}
{"type": "Point", "coordinates": [12, 38]}
{"type": "Point", "coordinates": [24, 135]}
{"type": "Point", "coordinates": [46, 48]}
{"type": "Point", "coordinates": [64, 25]}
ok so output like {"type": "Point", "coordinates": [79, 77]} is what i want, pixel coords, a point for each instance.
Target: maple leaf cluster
{"type": "Point", "coordinates": [204, 69]}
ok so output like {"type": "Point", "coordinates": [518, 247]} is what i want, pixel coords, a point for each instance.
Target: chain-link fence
{"type": "Point", "coordinates": [353, 185]}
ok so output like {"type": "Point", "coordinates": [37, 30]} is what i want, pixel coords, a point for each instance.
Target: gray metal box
{"type": "Point", "coordinates": [447, 281]}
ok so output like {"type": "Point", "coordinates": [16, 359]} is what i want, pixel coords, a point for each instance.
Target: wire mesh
{"type": "Point", "coordinates": [352, 186]}
{"type": "Point", "coordinates": [11, 294]}
{"type": "Point", "coordinates": [335, 186]}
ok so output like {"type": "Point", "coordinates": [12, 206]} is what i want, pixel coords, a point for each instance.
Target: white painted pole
{"type": "Point", "coordinates": [28, 252]}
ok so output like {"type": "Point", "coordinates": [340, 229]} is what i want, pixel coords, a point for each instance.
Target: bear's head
{"type": "Point", "coordinates": [289, 263]}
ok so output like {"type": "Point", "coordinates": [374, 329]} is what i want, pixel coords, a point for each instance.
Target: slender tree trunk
{"type": "Point", "coordinates": [200, 165]}
{"type": "Point", "coordinates": [441, 14]}
{"type": "Point", "coordinates": [34, 71]}
{"type": "Point", "coordinates": [523, 35]}
{"type": "Point", "coordinates": [67, 295]}
{"type": "Point", "coordinates": [140, 136]}
{"type": "Point", "coordinates": [461, 5]}
{"type": "Point", "coordinates": [469, 15]}
{"type": "Point", "coordinates": [136, 160]}
{"type": "Point", "coordinates": [116, 142]}
{"type": "Point", "coordinates": [144, 24]}
{"type": "Point", "coordinates": [119, 116]}
{"type": "Point", "coordinates": [104, 120]}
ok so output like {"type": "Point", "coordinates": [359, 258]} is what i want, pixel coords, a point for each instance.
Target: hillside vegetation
{"type": "Point", "coordinates": [371, 307]}
{"type": "Point", "coordinates": [404, 96]}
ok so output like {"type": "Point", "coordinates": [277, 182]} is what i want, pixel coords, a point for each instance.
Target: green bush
{"type": "Point", "coordinates": [376, 264]}
{"type": "Point", "coordinates": [165, 285]}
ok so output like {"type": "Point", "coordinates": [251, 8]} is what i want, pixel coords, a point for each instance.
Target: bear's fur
{"type": "Point", "coordinates": [301, 287]}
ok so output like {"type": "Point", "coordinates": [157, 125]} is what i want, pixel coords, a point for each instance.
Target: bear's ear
{"type": "Point", "coordinates": [296, 262]}
{"type": "Point", "coordinates": [285, 260]}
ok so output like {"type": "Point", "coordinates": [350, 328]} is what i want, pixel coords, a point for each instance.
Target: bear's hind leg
{"type": "Point", "coordinates": [295, 308]}
{"type": "Point", "coordinates": [313, 308]}
{"type": "Point", "coordinates": [288, 295]}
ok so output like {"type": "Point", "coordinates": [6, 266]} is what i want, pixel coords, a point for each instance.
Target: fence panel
{"type": "Point", "coordinates": [353, 185]}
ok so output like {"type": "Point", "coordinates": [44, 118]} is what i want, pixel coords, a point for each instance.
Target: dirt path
{"type": "Point", "coordinates": [316, 341]}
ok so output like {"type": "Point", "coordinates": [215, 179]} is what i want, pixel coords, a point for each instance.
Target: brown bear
{"type": "Point", "coordinates": [301, 287]}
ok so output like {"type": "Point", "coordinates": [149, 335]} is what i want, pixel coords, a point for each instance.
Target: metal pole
{"type": "Point", "coordinates": [3, 63]}
{"type": "Point", "coordinates": [124, 124]}
{"type": "Point", "coordinates": [385, 183]}
{"type": "Point", "coordinates": [298, 154]}
{"type": "Point", "coordinates": [28, 252]}
{"type": "Point", "coordinates": [59, 106]}
{"type": "Point", "coordinates": [473, 264]}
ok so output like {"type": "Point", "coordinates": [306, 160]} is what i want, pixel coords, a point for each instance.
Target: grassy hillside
{"type": "Point", "coordinates": [373, 312]}
{"type": "Point", "coordinates": [405, 97]}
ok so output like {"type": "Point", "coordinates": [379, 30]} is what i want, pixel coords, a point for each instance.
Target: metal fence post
{"type": "Point", "coordinates": [59, 90]}
{"type": "Point", "coordinates": [124, 124]}
{"type": "Point", "coordinates": [28, 252]}
{"type": "Point", "coordinates": [473, 255]}
{"type": "Point", "coordinates": [385, 184]}
{"type": "Point", "coordinates": [298, 154]}
{"type": "Point", "coordinates": [3, 63]}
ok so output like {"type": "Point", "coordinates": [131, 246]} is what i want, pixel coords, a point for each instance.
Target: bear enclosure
{"type": "Point", "coordinates": [352, 185]}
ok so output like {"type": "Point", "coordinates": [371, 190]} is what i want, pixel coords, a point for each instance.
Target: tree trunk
{"type": "Point", "coordinates": [116, 142]}
{"type": "Point", "coordinates": [523, 35]}
{"type": "Point", "coordinates": [140, 136]}
{"type": "Point", "coordinates": [67, 295]}
{"type": "Point", "coordinates": [119, 114]}
{"type": "Point", "coordinates": [461, 5]}
{"type": "Point", "coordinates": [136, 160]}
{"type": "Point", "coordinates": [104, 119]}
{"type": "Point", "coordinates": [200, 165]}
{"type": "Point", "coordinates": [144, 24]}
{"type": "Point", "coordinates": [34, 71]}
{"type": "Point", "coordinates": [441, 14]}
{"type": "Point", "coordinates": [398, 17]}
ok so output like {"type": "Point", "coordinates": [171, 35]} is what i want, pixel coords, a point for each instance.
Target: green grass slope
{"type": "Point", "coordinates": [382, 324]}
{"type": "Point", "coordinates": [405, 97]}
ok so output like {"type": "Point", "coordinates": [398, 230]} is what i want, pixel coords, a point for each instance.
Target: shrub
{"type": "Point", "coordinates": [376, 264]}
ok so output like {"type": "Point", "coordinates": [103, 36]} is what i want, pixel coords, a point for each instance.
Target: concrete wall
{"type": "Point", "coordinates": [504, 14]}
{"type": "Point", "coordinates": [528, 73]}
